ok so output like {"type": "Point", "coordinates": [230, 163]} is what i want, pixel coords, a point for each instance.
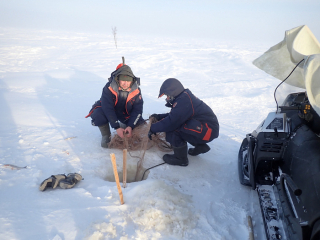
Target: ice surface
{"type": "Point", "coordinates": [48, 82]}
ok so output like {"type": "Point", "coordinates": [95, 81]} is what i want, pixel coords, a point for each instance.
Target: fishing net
{"type": "Point", "coordinates": [139, 139]}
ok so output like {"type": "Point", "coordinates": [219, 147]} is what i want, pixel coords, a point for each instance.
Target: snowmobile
{"type": "Point", "coordinates": [280, 159]}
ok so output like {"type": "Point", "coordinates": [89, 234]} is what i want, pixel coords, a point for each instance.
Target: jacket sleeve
{"type": "Point", "coordinates": [178, 115]}
{"type": "Point", "coordinates": [162, 115]}
{"type": "Point", "coordinates": [107, 105]}
{"type": "Point", "coordinates": [136, 112]}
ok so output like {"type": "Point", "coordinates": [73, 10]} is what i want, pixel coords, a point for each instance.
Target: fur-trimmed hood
{"type": "Point", "coordinates": [124, 70]}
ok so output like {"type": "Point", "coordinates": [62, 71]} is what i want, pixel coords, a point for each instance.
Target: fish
{"type": "Point", "coordinates": [12, 167]}
{"type": "Point", "coordinates": [70, 138]}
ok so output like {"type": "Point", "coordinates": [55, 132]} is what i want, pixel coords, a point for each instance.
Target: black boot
{"type": "Point", "coordinates": [70, 181]}
{"type": "Point", "coordinates": [179, 157]}
{"type": "Point", "coordinates": [198, 149]}
{"type": "Point", "coordinates": [106, 135]}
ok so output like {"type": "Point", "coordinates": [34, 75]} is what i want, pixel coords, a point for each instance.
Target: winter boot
{"type": "Point", "coordinates": [70, 181]}
{"type": "Point", "coordinates": [179, 157]}
{"type": "Point", "coordinates": [106, 135]}
{"type": "Point", "coordinates": [52, 181]}
{"type": "Point", "coordinates": [198, 149]}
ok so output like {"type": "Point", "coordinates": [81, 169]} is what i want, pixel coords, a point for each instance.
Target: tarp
{"type": "Point", "coordinates": [298, 44]}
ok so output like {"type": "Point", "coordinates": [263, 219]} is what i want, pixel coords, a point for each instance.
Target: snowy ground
{"type": "Point", "coordinates": [48, 82]}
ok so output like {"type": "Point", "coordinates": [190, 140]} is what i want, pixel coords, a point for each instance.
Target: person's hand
{"type": "Point", "coordinates": [128, 131]}
{"type": "Point", "coordinates": [150, 133]}
{"type": "Point", "coordinates": [156, 116]}
{"type": "Point", "coordinates": [120, 132]}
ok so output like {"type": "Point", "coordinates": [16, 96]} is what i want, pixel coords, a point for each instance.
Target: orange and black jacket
{"type": "Point", "coordinates": [118, 105]}
{"type": "Point", "coordinates": [123, 106]}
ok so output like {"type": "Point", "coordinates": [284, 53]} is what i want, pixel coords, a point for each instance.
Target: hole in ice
{"type": "Point", "coordinates": [131, 173]}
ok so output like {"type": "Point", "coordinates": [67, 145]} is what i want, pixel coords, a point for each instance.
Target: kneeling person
{"type": "Point", "coordinates": [120, 105]}
{"type": "Point", "coordinates": [190, 120]}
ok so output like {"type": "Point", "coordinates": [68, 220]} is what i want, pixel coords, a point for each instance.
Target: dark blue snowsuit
{"type": "Point", "coordinates": [190, 120]}
{"type": "Point", "coordinates": [116, 105]}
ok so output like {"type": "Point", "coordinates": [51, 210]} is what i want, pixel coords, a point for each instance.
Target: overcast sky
{"type": "Point", "coordinates": [224, 19]}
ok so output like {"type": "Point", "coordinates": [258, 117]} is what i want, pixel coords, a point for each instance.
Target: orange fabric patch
{"type": "Point", "coordinates": [114, 93]}
{"type": "Point", "coordinates": [119, 66]}
{"type": "Point", "coordinates": [208, 134]}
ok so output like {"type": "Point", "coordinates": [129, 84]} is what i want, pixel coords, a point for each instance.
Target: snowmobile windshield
{"type": "Point", "coordinates": [299, 44]}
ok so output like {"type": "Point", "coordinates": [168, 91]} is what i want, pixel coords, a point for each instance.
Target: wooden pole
{"type": "Point", "coordinates": [116, 176]}
{"type": "Point", "coordinates": [124, 182]}
{"type": "Point", "coordinates": [250, 226]}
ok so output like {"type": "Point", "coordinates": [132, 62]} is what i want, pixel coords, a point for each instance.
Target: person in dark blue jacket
{"type": "Point", "coordinates": [120, 105]}
{"type": "Point", "coordinates": [190, 120]}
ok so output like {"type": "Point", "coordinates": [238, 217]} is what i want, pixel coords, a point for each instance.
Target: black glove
{"type": "Point", "coordinates": [150, 133]}
{"type": "Point", "coordinates": [156, 116]}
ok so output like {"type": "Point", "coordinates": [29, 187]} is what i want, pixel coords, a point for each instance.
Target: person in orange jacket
{"type": "Point", "coordinates": [120, 105]}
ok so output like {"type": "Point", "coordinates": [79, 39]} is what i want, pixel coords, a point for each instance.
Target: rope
{"type": "Point", "coordinates": [274, 95]}
{"type": "Point", "coordinates": [144, 147]}
{"type": "Point", "coordinates": [127, 146]}
{"type": "Point", "coordinates": [151, 168]}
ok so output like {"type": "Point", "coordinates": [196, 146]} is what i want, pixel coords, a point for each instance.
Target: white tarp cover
{"type": "Point", "coordinates": [299, 43]}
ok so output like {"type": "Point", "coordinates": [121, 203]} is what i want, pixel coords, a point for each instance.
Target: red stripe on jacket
{"type": "Point", "coordinates": [208, 134]}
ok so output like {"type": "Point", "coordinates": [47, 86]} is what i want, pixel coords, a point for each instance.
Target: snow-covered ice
{"type": "Point", "coordinates": [48, 82]}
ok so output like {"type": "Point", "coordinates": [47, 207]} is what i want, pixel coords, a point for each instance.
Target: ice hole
{"type": "Point", "coordinates": [131, 173]}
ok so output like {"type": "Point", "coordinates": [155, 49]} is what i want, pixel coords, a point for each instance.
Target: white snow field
{"type": "Point", "coordinates": [48, 82]}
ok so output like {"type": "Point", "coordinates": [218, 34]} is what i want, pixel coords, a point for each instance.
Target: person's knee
{"type": "Point", "coordinates": [175, 139]}
{"type": "Point", "coordinates": [98, 118]}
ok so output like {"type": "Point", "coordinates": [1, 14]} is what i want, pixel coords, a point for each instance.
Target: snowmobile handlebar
{"type": "Point", "coordinates": [297, 191]}
{"type": "Point", "coordinates": [290, 107]}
